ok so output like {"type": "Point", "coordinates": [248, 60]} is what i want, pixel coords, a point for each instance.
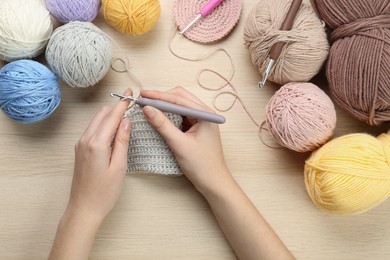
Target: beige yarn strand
{"type": "Point", "coordinates": [228, 82]}
{"type": "Point", "coordinates": [226, 79]}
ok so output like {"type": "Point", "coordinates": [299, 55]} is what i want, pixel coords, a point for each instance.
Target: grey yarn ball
{"type": "Point", "coordinates": [79, 53]}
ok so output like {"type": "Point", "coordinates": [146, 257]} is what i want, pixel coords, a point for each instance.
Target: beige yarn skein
{"type": "Point", "coordinates": [306, 47]}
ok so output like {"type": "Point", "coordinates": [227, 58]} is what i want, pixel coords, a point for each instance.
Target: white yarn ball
{"type": "Point", "coordinates": [25, 29]}
{"type": "Point", "coordinates": [79, 53]}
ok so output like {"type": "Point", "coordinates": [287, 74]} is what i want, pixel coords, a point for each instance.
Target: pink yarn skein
{"type": "Point", "coordinates": [300, 116]}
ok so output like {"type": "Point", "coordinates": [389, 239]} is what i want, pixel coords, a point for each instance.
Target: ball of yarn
{"type": "Point", "coordinates": [134, 17]}
{"type": "Point", "coordinates": [79, 53]}
{"type": "Point", "coordinates": [338, 12]}
{"type": "Point", "coordinates": [66, 11]}
{"type": "Point", "coordinates": [306, 47]}
{"type": "Point", "coordinates": [300, 117]}
{"type": "Point", "coordinates": [350, 174]}
{"type": "Point", "coordinates": [25, 29]}
{"type": "Point", "coordinates": [29, 92]}
{"type": "Point", "coordinates": [358, 69]}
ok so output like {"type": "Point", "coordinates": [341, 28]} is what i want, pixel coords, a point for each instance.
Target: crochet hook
{"type": "Point", "coordinates": [276, 49]}
{"type": "Point", "coordinates": [175, 109]}
{"type": "Point", "coordinates": [210, 6]}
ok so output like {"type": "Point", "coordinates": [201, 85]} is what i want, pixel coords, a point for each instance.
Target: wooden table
{"type": "Point", "coordinates": [160, 217]}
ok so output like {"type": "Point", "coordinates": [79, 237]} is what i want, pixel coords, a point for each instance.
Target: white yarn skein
{"type": "Point", "coordinates": [79, 53]}
{"type": "Point", "coordinates": [25, 29]}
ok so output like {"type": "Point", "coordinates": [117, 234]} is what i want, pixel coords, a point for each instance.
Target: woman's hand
{"type": "Point", "coordinates": [101, 161]}
{"type": "Point", "coordinates": [199, 153]}
{"type": "Point", "coordinates": [198, 149]}
{"type": "Point", "coordinates": [99, 172]}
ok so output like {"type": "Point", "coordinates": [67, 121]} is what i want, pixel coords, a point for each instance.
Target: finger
{"type": "Point", "coordinates": [95, 122]}
{"type": "Point", "coordinates": [121, 145]}
{"type": "Point", "coordinates": [174, 98]}
{"type": "Point", "coordinates": [111, 121]}
{"type": "Point", "coordinates": [163, 125]}
{"type": "Point", "coordinates": [180, 91]}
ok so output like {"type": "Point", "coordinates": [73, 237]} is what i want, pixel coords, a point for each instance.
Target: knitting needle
{"type": "Point", "coordinates": [276, 49]}
{"type": "Point", "coordinates": [210, 6]}
{"type": "Point", "coordinates": [176, 109]}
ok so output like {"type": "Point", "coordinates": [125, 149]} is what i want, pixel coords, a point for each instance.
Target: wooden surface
{"type": "Point", "coordinates": [161, 217]}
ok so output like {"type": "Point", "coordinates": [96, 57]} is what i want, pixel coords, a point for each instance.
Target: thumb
{"type": "Point", "coordinates": [162, 124]}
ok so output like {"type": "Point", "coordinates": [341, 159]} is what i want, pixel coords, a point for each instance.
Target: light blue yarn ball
{"type": "Point", "coordinates": [29, 92]}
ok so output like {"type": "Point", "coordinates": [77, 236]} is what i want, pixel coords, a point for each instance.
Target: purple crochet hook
{"type": "Point", "coordinates": [175, 109]}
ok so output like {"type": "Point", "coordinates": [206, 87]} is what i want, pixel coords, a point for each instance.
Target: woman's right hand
{"type": "Point", "coordinates": [198, 150]}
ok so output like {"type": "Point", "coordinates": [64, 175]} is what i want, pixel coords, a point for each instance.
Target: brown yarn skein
{"type": "Point", "coordinates": [358, 69]}
{"type": "Point", "coordinates": [338, 12]}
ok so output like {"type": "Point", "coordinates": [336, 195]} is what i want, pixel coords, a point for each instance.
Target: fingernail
{"type": "Point", "coordinates": [149, 112]}
{"type": "Point", "coordinates": [126, 124]}
{"type": "Point", "coordinates": [127, 92]}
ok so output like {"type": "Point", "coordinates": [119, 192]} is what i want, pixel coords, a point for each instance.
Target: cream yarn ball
{"type": "Point", "coordinates": [306, 46]}
{"type": "Point", "coordinates": [25, 29]}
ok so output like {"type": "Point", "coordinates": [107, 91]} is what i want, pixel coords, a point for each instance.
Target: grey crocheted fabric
{"type": "Point", "coordinates": [148, 151]}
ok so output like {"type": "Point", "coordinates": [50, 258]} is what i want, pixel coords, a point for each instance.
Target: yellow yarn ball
{"type": "Point", "coordinates": [134, 17]}
{"type": "Point", "coordinates": [350, 174]}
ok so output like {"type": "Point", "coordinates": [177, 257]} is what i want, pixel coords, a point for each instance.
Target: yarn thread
{"type": "Point", "coordinates": [79, 53]}
{"type": "Point", "coordinates": [134, 17]}
{"type": "Point", "coordinates": [148, 151]}
{"type": "Point", "coordinates": [215, 26]}
{"type": "Point", "coordinates": [25, 29]}
{"type": "Point", "coordinates": [220, 89]}
{"type": "Point", "coordinates": [300, 117]}
{"type": "Point", "coordinates": [359, 61]}
{"type": "Point", "coordinates": [306, 46]}
{"type": "Point", "coordinates": [121, 65]}
{"type": "Point", "coordinates": [66, 11]}
{"type": "Point", "coordinates": [29, 92]}
{"type": "Point", "coordinates": [350, 174]}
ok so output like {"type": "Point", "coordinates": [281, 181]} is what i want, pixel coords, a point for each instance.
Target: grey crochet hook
{"type": "Point", "coordinates": [175, 109]}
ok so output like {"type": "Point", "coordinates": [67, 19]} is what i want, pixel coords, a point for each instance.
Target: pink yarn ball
{"type": "Point", "coordinates": [301, 117]}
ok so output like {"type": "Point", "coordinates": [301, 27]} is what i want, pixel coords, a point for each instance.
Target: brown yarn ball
{"type": "Point", "coordinates": [338, 12]}
{"type": "Point", "coordinates": [358, 69]}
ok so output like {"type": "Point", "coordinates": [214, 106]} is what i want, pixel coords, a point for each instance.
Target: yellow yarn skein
{"type": "Point", "coordinates": [134, 17]}
{"type": "Point", "coordinates": [350, 174]}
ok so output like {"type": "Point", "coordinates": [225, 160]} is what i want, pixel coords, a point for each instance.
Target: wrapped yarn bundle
{"type": "Point", "coordinates": [306, 46]}
{"type": "Point", "coordinates": [300, 117]}
{"type": "Point", "coordinates": [350, 174]}
{"type": "Point", "coordinates": [79, 53]}
{"type": "Point", "coordinates": [358, 69]}
{"type": "Point", "coordinates": [25, 29]}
